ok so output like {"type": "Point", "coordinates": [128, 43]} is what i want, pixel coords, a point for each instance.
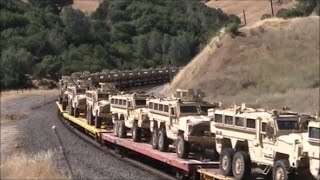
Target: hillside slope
{"type": "Point", "coordinates": [275, 63]}
{"type": "Point", "coordinates": [254, 9]}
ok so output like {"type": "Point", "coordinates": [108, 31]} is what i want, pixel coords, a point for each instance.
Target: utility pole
{"type": "Point", "coordinates": [271, 8]}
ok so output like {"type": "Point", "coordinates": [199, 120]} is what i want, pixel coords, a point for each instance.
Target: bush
{"type": "Point", "coordinates": [290, 13]}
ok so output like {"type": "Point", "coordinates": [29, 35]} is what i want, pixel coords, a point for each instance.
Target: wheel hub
{"type": "Point", "coordinates": [238, 166]}
{"type": "Point", "coordinates": [279, 174]}
{"type": "Point", "coordinates": [225, 162]}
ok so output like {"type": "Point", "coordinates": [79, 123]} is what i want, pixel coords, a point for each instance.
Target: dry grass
{"type": "Point", "coordinates": [13, 94]}
{"type": "Point", "coordinates": [24, 166]}
{"type": "Point", "coordinates": [86, 6]}
{"type": "Point", "coordinates": [273, 56]}
{"type": "Point", "coordinates": [254, 9]}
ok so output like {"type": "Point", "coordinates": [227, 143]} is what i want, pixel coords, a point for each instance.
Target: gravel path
{"type": "Point", "coordinates": [86, 162]}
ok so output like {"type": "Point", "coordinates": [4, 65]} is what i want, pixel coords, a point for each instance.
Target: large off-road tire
{"type": "Point", "coordinates": [154, 140]}
{"type": "Point", "coordinates": [136, 132]}
{"type": "Point", "coordinates": [69, 108]}
{"type": "Point", "coordinates": [76, 112]}
{"type": "Point", "coordinates": [226, 158]}
{"type": "Point", "coordinates": [281, 170]}
{"type": "Point", "coordinates": [64, 105]}
{"type": "Point", "coordinates": [163, 144]}
{"type": "Point", "coordinates": [60, 100]}
{"type": "Point", "coordinates": [241, 165]}
{"type": "Point", "coordinates": [182, 147]}
{"type": "Point", "coordinates": [116, 128]}
{"type": "Point", "coordinates": [122, 129]}
{"type": "Point", "coordinates": [97, 122]}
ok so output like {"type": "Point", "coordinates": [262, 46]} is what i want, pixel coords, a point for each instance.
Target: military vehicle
{"type": "Point", "coordinates": [129, 112]}
{"type": "Point", "coordinates": [77, 98]}
{"type": "Point", "coordinates": [179, 121]}
{"type": "Point", "coordinates": [311, 145]}
{"type": "Point", "coordinates": [270, 140]}
{"type": "Point", "coordinates": [62, 97]}
{"type": "Point", "coordinates": [98, 106]}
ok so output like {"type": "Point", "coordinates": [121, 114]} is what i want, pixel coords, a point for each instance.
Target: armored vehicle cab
{"type": "Point", "coordinates": [98, 107]}
{"type": "Point", "coordinates": [179, 121]}
{"type": "Point", "coordinates": [129, 112]}
{"type": "Point", "coordinates": [76, 99]}
{"type": "Point", "coordinates": [63, 97]}
{"type": "Point", "coordinates": [246, 136]}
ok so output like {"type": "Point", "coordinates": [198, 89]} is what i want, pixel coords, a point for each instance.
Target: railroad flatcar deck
{"type": "Point", "coordinates": [170, 158]}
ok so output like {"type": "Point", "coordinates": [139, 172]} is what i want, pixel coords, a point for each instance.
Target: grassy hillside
{"type": "Point", "coordinates": [273, 63]}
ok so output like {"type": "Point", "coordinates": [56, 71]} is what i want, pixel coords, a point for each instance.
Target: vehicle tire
{"type": "Point", "coordinates": [281, 170]}
{"type": "Point", "coordinates": [69, 108]}
{"type": "Point", "coordinates": [241, 165]}
{"type": "Point", "coordinates": [64, 106]}
{"type": "Point", "coordinates": [225, 164]}
{"type": "Point", "coordinates": [136, 132]}
{"type": "Point", "coordinates": [163, 144]}
{"type": "Point", "coordinates": [76, 112]}
{"type": "Point", "coordinates": [182, 147]}
{"type": "Point", "coordinates": [122, 133]}
{"type": "Point", "coordinates": [97, 122]}
{"type": "Point", "coordinates": [60, 100]}
{"type": "Point", "coordinates": [72, 111]}
{"type": "Point", "coordinates": [154, 140]}
{"type": "Point", "coordinates": [116, 128]}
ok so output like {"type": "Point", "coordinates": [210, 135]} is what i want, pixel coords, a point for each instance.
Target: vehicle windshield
{"type": "Point", "coordinates": [314, 132]}
{"type": "Point", "coordinates": [188, 109]}
{"type": "Point", "coordinates": [103, 96]}
{"type": "Point", "coordinates": [284, 124]}
{"type": "Point", "coordinates": [81, 91]}
{"type": "Point", "coordinates": [141, 102]}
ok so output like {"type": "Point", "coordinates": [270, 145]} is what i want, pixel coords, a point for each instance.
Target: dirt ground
{"type": "Point", "coordinates": [86, 6]}
{"type": "Point", "coordinates": [33, 134]}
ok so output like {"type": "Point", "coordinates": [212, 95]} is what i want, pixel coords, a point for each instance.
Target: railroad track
{"type": "Point", "coordinates": [120, 155]}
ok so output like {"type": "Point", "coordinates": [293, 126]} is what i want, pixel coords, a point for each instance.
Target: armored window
{"type": "Point", "coordinates": [116, 101]}
{"type": "Point", "coordinates": [150, 105]}
{"type": "Point", "coordinates": [112, 101]}
{"type": "Point", "coordinates": [264, 127]}
{"type": "Point", "coordinates": [120, 102]}
{"type": "Point", "coordinates": [124, 102]}
{"type": "Point", "coordinates": [166, 108]}
{"type": "Point", "coordinates": [218, 118]}
{"type": "Point", "coordinates": [314, 132]}
{"type": "Point", "coordinates": [141, 102]}
{"type": "Point", "coordinates": [251, 123]}
{"type": "Point", "coordinates": [228, 120]}
{"type": "Point", "coordinates": [156, 106]}
{"type": "Point", "coordinates": [239, 121]}
{"type": "Point", "coordinates": [160, 107]}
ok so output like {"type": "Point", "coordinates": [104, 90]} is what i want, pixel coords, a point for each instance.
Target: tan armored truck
{"type": "Point", "coordinates": [76, 99]}
{"type": "Point", "coordinates": [98, 106]}
{"type": "Point", "coordinates": [179, 121]}
{"type": "Point", "coordinates": [247, 137]}
{"type": "Point", "coordinates": [63, 97]}
{"type": "Point", "coordinates": [311, 145]}
{"type": "Point", "coordinates": [129, 112]}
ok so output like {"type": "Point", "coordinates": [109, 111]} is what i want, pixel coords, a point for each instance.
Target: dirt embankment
{"type": "Point", "coordinates": [86, 6]}
{"type": "Point", "coordinates": [272, 64]}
